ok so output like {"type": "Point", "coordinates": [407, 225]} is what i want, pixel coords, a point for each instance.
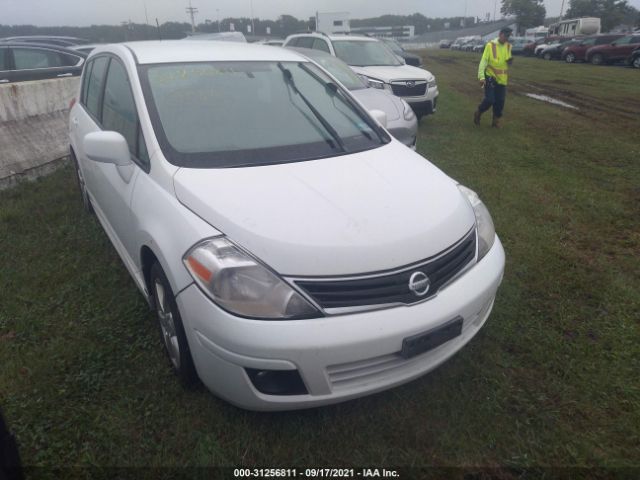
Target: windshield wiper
{"type": "Point", "coordinates": [288, 76]}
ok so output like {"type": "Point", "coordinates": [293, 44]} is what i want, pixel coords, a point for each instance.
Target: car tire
{"type": "Point", "coordinates": [570, 58]}
{"type": "Point", "coordinates": [84, 195]}
{"type": "Point", "coordinates": [597, 59]}
{"type": "Point", "coordinates": [636, 62]}
{"type": "Point", "coordinates": [171, 329]}
{"type": "Point", "coordinates": [547, 56]}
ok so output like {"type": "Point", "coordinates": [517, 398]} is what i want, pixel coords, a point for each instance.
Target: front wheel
{"type": "Point", "coordinates": [636, 62]}
{"type": "Point", "coordinates": [597, 59]}
{"type": "Point", "coordinates": [171, 328]}
{"type": "Point", "coordinates": [547, 56]}
{"type": "Point", "coordinates": [570, 58]}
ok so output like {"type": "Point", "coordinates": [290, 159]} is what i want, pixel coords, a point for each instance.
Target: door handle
{"type": "Point", "coordinates": [75, 122]}
{"type": "Point", "coordinates": [65, 75]}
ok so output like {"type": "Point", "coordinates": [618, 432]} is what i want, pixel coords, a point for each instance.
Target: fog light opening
{"type": "Point", "coordinates": [277, 382]}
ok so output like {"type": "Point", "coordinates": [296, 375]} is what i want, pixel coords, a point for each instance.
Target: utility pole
{"type": "Point", "coordinates": [495, 9]}
{"type": "Point", "coordinates": [561, 9]}
{"type": "Point", "coordinates": [191, 10]}
{"type": "Point", "coordinates": [253, 27]}
{"type": "Point", "coordinates": [218, 18]}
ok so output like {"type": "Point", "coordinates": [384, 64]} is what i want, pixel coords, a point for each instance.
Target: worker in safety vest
{"type": "Point", "coordinates": [492, 73]}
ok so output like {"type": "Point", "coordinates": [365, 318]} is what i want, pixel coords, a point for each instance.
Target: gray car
{"type": "Point", "coordinates": [401, 120]}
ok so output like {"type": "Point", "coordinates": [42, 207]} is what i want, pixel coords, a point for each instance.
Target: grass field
{"type": "Point", "coordinates": [552, 380]}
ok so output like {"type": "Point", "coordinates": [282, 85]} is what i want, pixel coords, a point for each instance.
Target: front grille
{"type": "Point", "coordinates": [405, 89]}
{"type": "Point", "coordinates": [392, 287]}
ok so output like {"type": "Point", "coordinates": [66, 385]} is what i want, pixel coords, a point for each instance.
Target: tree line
{"type": "Point", "coordinates": [528, 13]}
{"type": "Point", "coordinates": [531, 13]}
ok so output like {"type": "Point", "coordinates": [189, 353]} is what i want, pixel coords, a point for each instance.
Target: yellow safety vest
{"type": "Point", "coordinates": [494, 61]}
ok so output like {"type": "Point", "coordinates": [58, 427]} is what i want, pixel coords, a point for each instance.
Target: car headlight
{"type": "Point", "coordinates": [374, 83]}
{"type": "Point", "coordinates": [407, 112]}
{"type": "Point", "coordinates": [484, 222]}
{"type": "Point", "coordinates": [431, 84]}
{"type": "Point", "coordinates": [241, 285]}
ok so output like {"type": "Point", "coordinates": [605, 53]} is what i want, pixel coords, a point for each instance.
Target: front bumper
{"type": "Point", "coordinates": [426, 104]}
{"type": "Point", "coordinates": [338, 357]}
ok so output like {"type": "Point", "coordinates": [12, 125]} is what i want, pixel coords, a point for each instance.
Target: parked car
{"type": "Point", "coordinates": [616, 51]}
{"type": "Point", "coordinates": [409, 58]}
{"type": "Point", "coordinates": [444, 43]}
{"type": "Point", "coordinates": [478, 46]}
{"type": "Point", "coordinates": [369, 57]}
{"type": "Point", "coordinates": [518, 44]}
{"type": "Point", "coordinates": [457, 43]}
{"type": "Point", "coordinates": [60, 41]}
{"type": "Point", "coordinates": [237, 37]}
{"type": "Point", "coordinates": [295, 254]}
{"type": "Point", "coordinates": [272, 42]}
{"type": "Point", "coordinates": [530, 48]}
{"type": "Point", "coordinates": [634, 58]}
{"type": "Point", "coordinates": [400, 121]}
{"type": "Point", "coordinates": [576, 52]}
{"type": "Point", "coordinates": [20, 62]}
{"type": "Point", "coordinates": [554, 51]}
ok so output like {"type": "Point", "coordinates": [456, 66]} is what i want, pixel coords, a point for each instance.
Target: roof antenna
{"type": "Point", "coordinates": [158, 25]}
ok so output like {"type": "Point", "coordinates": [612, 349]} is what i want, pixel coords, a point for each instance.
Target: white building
{"type": "Point", "coordinates": [332, 22]}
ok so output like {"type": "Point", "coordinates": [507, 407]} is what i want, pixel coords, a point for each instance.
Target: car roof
{"type": "Point", "coordinates": [172, 51]}
{"type": "Point", "coordinates": [47, 46]}
{"type": "Point", "coordinates": [333, 37]}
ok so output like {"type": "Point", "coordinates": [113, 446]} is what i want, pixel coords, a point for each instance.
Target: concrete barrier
{"type": "Point", "coordinates": [33, 127]}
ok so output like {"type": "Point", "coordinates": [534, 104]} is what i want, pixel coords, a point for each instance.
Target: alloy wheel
{"type": "Point", "coordinates": [167, 324]}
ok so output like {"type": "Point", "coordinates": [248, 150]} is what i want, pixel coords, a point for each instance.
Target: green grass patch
{"type": "Point", "coordinates": [552, 379]}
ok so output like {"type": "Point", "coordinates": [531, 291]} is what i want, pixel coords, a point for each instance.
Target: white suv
{"type": "Point", "coordinates": [294, 252]}
{"type": "Point", "coordinates": [371, 58]}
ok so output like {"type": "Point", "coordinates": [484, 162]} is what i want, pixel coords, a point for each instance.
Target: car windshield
{"type": "Point", "coordinates": [337, 68]}
{"type": "Point", "coordinates": [233, 114]}
{"type": "Point", "coordinates": [395, 46]}
{"type": "Point", "coordinates": [360, 53]}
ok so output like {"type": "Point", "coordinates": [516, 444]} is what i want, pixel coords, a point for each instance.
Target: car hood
{"type": "Point", "coordinates": [401, 72]}
{"type": "Point", "coordinates": [374, 99]}
{"type": "Point", "coordinates": [357, 213]}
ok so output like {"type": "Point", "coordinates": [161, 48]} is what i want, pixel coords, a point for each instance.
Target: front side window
{"type": "Point", "coordinates": [231, 114]}
{"type": "Point", "coordinates": [623, 41]}
{"type": "Point", "coordinates": [119, 112]}
{"type": "Point", "coordinates": [305, 42]}
{"type": "Point", "coordinates": [589, 41]}
{"type": "Point", "coordinates": [33, 58]}
{"type": "Point", "coordinates": [359, 53]}
{"type": "Point", "coordinates": [94, 88]}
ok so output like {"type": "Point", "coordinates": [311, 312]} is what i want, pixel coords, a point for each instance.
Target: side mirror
{"type": "Point", "coordinates": [107, 147]}
{"type": "Point", "coordinates": [379, 116]}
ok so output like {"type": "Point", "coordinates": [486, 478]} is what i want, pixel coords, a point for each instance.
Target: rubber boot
{"type": "Point", "coordinates": [476, 117]}
{"type": "Point", "coordinates": [495, 123]}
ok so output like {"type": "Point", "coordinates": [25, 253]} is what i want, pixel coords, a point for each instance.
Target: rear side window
{"type": "Point", "coordinates": [3, 59]}
{"type": "Point", "coordinates": [94, 88]}
{"type": "Point", "coordinates": [33, 58]}
{"type": "Point", "coordinates": [320, 45]}
{"type": "Point", "coordinates": [591, 41]}
{"type": "Point", "coordinates": [119, 112]}
{"type": "Point", "coordinates": [293, 42]}
{"type": "Point", "coordinates": [85, 82]}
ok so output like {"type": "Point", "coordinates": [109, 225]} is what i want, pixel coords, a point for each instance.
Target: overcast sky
{"type": "Point", "coordinates": [88, 12]}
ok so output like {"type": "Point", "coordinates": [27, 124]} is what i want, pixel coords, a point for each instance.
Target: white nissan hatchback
{"type": "Point", "coordinates": [295, 253]}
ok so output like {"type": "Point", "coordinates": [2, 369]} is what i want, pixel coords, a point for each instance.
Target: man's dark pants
{"type": "Point", "coordinates": [494, 95]}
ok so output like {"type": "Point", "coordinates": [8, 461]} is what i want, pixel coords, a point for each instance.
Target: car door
{"type": "Point", "coordinates": [114, 184]}
{"type": "Point", "coordinates": [111, 186]}
{"type": "Point", "coordinates": [37, 63]}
